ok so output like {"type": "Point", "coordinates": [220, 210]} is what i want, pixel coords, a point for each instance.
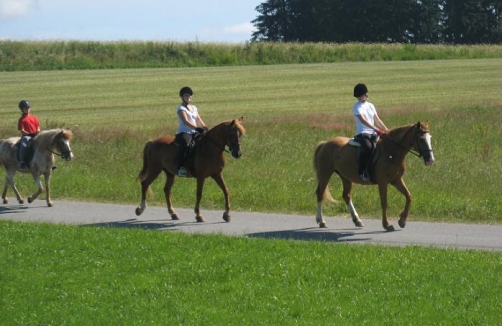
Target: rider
{"type": "Point", "coordinates": [368, 126]}
{"type": "Point", "coordinates": [190, 123]}
{"type": "Point", "coordinates": [29, 126]}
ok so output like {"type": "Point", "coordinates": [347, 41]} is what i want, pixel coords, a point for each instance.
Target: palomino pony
{"type": "Point", "coordinates": [337, 155]}
{"type": "Point", "coordinates": [43, 146]}
{"type": "Point", "coordinates": [162, 154]}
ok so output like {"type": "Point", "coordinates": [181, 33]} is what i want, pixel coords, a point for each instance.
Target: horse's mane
{"type": "Point", "coordinates": [238, 125]}
{"type": "Point", "coordinates": [45, 138]}
{"type": "Point", "coordinates": [399, 131]}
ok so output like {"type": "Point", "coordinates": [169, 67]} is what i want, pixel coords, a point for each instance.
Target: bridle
{"type": "Point", "coordinates": [227, 141]}
{"type": "Point", "coordinates": [65, 152]}
{"type": "Point", "coordinates": [415, 143]}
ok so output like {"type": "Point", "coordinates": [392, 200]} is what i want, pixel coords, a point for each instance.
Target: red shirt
{"type": "Point", "coordinates": [28, 123]}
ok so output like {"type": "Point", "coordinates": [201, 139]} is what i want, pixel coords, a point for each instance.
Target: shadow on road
{"type": "Point", "coordinates": [318, 235]}
{"type": "Point", "coordinates": [148, 225]}
{"type": "Point", "coordinates": [13, 209]}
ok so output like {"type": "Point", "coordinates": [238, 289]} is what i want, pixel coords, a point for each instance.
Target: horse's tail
{"type": "Point", "coordinates": [326, 194]}
{"type": "Point", "coordinates": [144, 170]}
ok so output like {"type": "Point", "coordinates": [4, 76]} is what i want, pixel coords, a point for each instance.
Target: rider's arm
{"type": "Point", "coordinates": [183, 117]}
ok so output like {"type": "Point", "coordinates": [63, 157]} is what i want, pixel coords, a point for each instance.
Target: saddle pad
{"type": "Point", "coordinates": [354, 142]}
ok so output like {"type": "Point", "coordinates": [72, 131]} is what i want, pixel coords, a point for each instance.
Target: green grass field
{"type": "Point", "coordinates": [68, 275]}
{"type": "Point", "coordinates": [287, 109]}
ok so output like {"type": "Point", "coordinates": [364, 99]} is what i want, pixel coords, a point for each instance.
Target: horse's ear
{"type": "Point", "coordinates": [241, 119]}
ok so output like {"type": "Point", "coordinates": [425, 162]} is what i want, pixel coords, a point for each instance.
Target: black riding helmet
{"type": "Point", "coordinates": [186, 90]}
{"type": "Point", "coordinates": [24, 104]}
{"type": "Point", "coordinates": [360, 90]}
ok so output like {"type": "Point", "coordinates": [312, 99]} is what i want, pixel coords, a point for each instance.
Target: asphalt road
{"type": "Point", "coordinates": [298, 227]}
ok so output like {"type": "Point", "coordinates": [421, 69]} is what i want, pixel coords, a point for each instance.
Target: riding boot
{"type": "Point", "coordinates": [181, 168]}
{"type": "Point", "coordinates": [363, 164]}
{"type": "Point", "coordinates": [20, 156]}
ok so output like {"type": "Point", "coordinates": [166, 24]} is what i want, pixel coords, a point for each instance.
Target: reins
{"type": "Point", "coordinates": [224, 149]}
{"type": "Point", "coordinates": [55, 153]}
{"type": "Point", "coordinates": [411, 150]}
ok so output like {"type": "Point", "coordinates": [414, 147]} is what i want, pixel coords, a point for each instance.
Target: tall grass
{"type": "Point", "coordinates": [68, 55]}
{"type": "Point", "coordinates": [287, 110]}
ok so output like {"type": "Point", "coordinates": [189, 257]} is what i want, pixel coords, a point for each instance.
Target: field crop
{"type": "Point", "coordinates": [287, 110]}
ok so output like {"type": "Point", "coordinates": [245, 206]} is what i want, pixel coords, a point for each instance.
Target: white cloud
{"type": "Point", "coordinates": [244, 28]}
{"type": "Point", "coordinates": [15, 8]}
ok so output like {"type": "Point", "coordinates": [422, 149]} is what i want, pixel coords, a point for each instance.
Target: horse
{"type": "Point", "coordinates": [43, 147]}
{"type": "Point", "coordinates": [207, 160]}
{"type": "Point", "coordinates": [339, 156]}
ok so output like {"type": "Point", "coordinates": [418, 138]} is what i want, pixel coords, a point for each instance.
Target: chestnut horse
{"type": "Point", "coordinates": [162, 154]}
{"type": "Point", "coordinates": [43, 146]}
{"type": "Point", "coordinates": [338, 155]}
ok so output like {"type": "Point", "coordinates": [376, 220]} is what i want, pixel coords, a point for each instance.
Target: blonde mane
{"type": "Point", "coordinates": [45, 139]}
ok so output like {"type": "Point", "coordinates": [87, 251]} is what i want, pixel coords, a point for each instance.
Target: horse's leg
{"type": "Point", "coordinates": [347, 197]}
{"type": "Point", "coordinates": [382, 187]}
{"type": "Point", "coordinates": [167, 194]}
{"type": "Point", "coordinates": [400, 185]}
{"type": "Point", "coordinates": [322, 185]}
{"type": "Point", "coordinates": [145, 186]}
{"type": "Point", "coordinates": [40, 188]}
{"type": "Point", "coordinates": [9, 180]}
{"type": "Point", "coordinates": [221, 183]}
{"type": "Point", "coordinates": [200, 185]}
{"type": "Point", "coordinates": [4, 193]}
{"type": "Point", "coordinates": [47, 177]}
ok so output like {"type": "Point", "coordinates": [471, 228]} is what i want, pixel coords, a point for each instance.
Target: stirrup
{"type": "Point", "coordinates": [364, 176]}
{"type": "Point", "coordinates": [182, 172]}
{"type": "Point", "coordinates": [23, 166]}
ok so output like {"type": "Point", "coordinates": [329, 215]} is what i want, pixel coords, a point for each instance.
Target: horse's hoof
{"type": "Point", "coordinates": [21, 201]}
{"type": "Point", "coordinates": [390, 228]}
{"type": "Point", "coordinates": [138, 211]}
{"type": "Point", "coordinates": [359, 224]}
{"type": "Point", "coordinates": [30, 200]}
{"type": "Point", "coordinates": [402, 224]}
{"type": "Point", "coordinates": [50, 204]}
{"type": "Point", "coordinates": [5, 201]}
{"type": "Point", "coordinates": [174, 217]}
{"type": "Point", "coordinates": [226, 217]}
{"type": "Point", "coordinates": [199, 219]}
{"type": "Point", "coordinates": [323, 225]}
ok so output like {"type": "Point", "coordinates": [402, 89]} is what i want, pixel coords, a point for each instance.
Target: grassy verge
{"type": "Point", "coordinates": [67, 275]}
{"type": "Point", "coordinates": [287, 110]}
{"type": "Point", "coordinates": [63, 55]}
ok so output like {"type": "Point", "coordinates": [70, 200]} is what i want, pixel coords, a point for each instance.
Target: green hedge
{"type": "Point", "coordinates": [67, 55]}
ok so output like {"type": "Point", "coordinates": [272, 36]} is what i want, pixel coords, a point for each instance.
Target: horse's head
{"type": "Point", "coordinates": [62, 142]}
{"type": "Point", "coordinates": [235, 130]}
{"type": "Point", "coordinates": [422, 142]}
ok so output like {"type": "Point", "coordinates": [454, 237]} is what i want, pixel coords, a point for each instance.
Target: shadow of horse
{"type": "Point", "coordinates": [13, 210]}
{"type": "Point", "coordinates": [313, 234]}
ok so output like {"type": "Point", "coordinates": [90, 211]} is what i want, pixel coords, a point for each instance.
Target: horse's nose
{"type": "Point", "coordinates": [430, 161]}
{"type": "Point", "coordinates": [237, 153]}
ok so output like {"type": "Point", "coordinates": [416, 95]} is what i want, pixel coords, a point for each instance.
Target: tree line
{"type": "Point", "coordinates": [392, 21]}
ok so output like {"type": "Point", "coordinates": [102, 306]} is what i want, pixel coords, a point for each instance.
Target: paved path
{"type": "Point", "coordinates": [342, 230]}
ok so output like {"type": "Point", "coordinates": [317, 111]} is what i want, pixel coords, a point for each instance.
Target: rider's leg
{"type": "Point", "coordinates": [20, 152]}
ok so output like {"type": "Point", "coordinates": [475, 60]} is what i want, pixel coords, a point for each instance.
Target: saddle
{"type": "Point", "coordinates": [375, 153]}
{"type": "Point", "coordinates": [27, 153]}
{"type": "Point", "coordinates": [190, 150]}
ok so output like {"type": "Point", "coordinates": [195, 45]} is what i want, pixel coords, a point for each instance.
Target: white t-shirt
{"type": "Point", "coordinates": [191, 116]}
{"type": "Point", "coordinates": [367, 111]}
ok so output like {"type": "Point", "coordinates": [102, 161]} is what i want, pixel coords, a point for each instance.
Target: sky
{"type": "Point", "coordinates": [219, 21]}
